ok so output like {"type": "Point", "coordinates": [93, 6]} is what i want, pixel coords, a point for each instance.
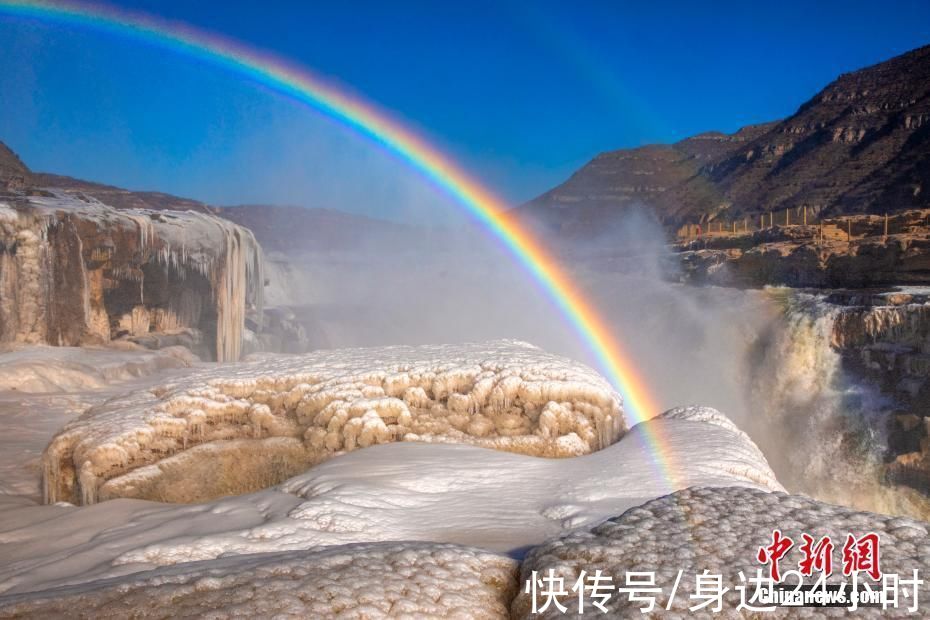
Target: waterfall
{"type": "Point", "coordinates": [823, 430]}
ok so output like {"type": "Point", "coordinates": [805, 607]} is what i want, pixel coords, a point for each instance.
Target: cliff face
{"type": "Point", "coordinates": [885, 337]}
{"type": "Point", "coordinates": [862, 145]}
{"type": "Point", "coordinates": [77, 271]}
{"type": "Point", "coordinates": [852, 251]}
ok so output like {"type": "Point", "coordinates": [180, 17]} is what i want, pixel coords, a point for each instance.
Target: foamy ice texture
{"type": "Point", "coordinates": [720, 530]}
{"type": "Point", "coordinates": [233, 429]}
{"type": "Point", "coordinates": [396, 492]}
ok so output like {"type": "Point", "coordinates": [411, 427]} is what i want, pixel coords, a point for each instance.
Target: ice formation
{"type": "Point", "coordinates": [720, 530]}
{"type": "Point", "coordinates": [402, 580]}
{"type": "Point", "coordinates": [43, 369]}
{"type": "Point", "coordinates": [42, 388]}
{"type": "Point", "coordinates": [396, 492]}
{"type": "Point", "coordinates": [75, 271]}
{"type": "Point", "coordinates": [165, 443]}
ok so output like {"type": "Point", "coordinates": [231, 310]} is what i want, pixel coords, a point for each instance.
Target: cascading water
{"type": "Point", "coordinates": [823, 430]}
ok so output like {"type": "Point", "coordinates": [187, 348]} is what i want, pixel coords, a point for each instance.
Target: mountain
{"type": "Point", "coordinates": [861, 145]}
{"type": "Point", "coordinates": [13, 172]}
{"type": "Point", "coordinates": [296, 230]}
{"type": "Point", "coordinates": [287, 229]}
{"type": "Point", "coordinates": [118, 197]}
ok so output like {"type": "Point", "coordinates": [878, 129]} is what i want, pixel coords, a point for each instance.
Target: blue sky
{"type": "Point", "coordinates": [521, 94]}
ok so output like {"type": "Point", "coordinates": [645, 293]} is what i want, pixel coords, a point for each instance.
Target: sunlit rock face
{"type": "Point", "coordinates": [414, 580]}
{"type": "Point", "coordinates": [74, 271]}
{"type": "Point", "coordinates": [720, 530]}
{"type": "Point", "coordinates": [234, 429]}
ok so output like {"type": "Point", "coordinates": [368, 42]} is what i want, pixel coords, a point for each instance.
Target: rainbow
{"type": "Point", "coordinates": [366, 119]}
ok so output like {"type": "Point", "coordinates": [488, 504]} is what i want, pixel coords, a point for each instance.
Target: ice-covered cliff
{"type": "Point", "coordinates": [75, 271]}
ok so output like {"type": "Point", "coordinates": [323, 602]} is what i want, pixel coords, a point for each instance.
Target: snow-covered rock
{"type": "Point", "coordinates": [401, 491]}
{"type": "Point", "coordinates": [401, 580]}
{"type": "Point", "coordinates": [721, 530]}
{"type": "Point", "coordinates": [75, 271]}
{"type": "Point", "coordinates": [236, 428]}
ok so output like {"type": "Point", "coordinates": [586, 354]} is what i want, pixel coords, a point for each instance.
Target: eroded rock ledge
{"type": "Point", "coordinates": [239, 428]}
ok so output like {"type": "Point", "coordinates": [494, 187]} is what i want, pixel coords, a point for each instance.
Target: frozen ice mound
{"type": "Point", "coordinates": [237, 428]}
{"type": "Point", "coordinates": [405, 491]}
{"type": "Point", "coordinates": [412, 580]}
{"type": "Point", "coordinates": [720, 530]}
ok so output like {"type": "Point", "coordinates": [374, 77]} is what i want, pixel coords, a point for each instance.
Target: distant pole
{"type": "Point", "coordinates": [886, 225]}
{"type": "Point", "coordinates": [772, 219]}
{"type": "Point", "coordinates": [805, 215]}
{"type": "Point", "coordinates": [734, 227]}
{"type": "Point", "coordinates": [848, 230]}
{"type": "Point", "coordinates": [746, 224]}
{"type": "Point", "coordinates": [787, 217]}
{"type": "Point", "coordinates": [762, 221]}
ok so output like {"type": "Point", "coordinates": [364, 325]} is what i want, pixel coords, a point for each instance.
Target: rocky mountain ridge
{"type": "Point", "coordinates": [861, 145]}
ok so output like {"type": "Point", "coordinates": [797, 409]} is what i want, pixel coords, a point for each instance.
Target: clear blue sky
{"type": "Point", "coordinates": [521, 94]}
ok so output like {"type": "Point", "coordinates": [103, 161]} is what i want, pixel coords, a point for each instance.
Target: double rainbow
{"type": "Point", "coordinates": [366, 119]}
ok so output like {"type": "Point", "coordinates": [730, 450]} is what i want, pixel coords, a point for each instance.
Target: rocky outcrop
{"type": "Point", "coordinates": [850, 252]}
{"type": "Point", "coordinates": [75, 271]}
{"type": "Point", "coordinates": [861, 145]}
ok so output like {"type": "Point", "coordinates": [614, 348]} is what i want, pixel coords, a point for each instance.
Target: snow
{"type": "Point", "coordinates": [395, 492]}
{"type": "Point", "coordinates": [42, 388]}
{"type": "Point", "coordinates": [720, 530]}
{"type": "Point", "coordinates": [164, 443]}
{"type": "Point", "coordinates": [43, 369]}
{"type": "Point", "coordinates": [401, 580]}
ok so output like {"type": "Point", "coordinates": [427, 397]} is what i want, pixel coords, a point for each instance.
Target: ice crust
{"type": "Point", "coordinates": [721, 530]}
{"type": "Point", "coordinates": [168, 443]}
{"type": "Point", "coordinates": [46, 370]}
{"type": "Point", "coordinates": [401, 580]}
{"type": "Point", "coordinates": [395, 492]}
{"type": "Point", "coordinates": [182, 242]}
{"type": "Point", "coordinates": [42, 388]}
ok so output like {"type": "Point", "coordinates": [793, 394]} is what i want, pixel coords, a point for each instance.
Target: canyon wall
{"type": "Point", "coordinates": [74, 271]}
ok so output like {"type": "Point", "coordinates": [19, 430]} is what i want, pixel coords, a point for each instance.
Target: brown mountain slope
{"type": "Point", "coordinates": [13, 172]}
{"type": "Point", "coordinates": [118, 197]}
{"type": "Point", "coordinates": [862, 145]}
